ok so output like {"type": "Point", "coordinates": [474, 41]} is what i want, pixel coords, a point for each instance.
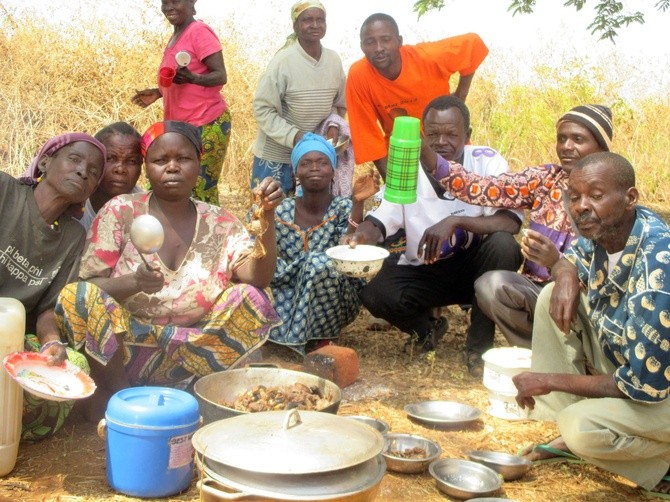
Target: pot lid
{"type": "Point", "coordinates": [278, 442]}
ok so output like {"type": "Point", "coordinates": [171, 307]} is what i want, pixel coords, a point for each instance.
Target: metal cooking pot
{"type": "Point", "coordinates": [226, 386]}
{"type": "Point", "coordinates": [294, 455]}
{"type": "Point", "coordinates": [356, 484]}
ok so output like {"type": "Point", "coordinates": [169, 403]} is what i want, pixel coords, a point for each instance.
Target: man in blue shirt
{"type": "Point", "coordinates": [601, 339]}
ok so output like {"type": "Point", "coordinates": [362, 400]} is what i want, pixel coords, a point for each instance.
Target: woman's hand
{"type": "Point", "coordinates": [365, 185]}
{"type": "Point", "coordinates": [270, 193]}
{"type": "Point", "coordinates": [184, 76]}
{"type": "Point", "coordinates": [55, 352]}
{"type": "Point", "coordinates": [333, 134]}
{"type": "Point", "coordinates": [145, 97]}
{"type": "Point", "coordinates": [149, 280]}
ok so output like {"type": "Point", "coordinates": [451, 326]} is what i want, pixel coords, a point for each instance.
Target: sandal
{"type": "Point", "coordinates": [659, 495]}
{"type": "Point", "coordinates": [556, 455]}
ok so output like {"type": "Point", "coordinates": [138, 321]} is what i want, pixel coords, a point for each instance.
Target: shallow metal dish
{"type": "Point", "coordinates": [510, 466]}
{"type": "Point", "coordinates": [375, 423]}
{"type": "Point", "coordinates": [401, 442]}
{"type": "Point", "coordinates": [443, 413]}
{"type": "Point", "coordinates": [464, 479]}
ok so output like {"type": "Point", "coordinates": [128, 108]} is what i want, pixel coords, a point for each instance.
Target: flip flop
{"type": "Point", "coordinates": [558, 455]}
{"type": "Point", "coordinates": [658, 495]}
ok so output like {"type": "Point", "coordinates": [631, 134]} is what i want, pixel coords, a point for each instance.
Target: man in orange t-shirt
{"type": "Point", "coordinates": [393, 80]}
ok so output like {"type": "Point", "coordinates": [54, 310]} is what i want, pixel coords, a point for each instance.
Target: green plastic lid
{"type": "Point", "coordinates": [408, 128]}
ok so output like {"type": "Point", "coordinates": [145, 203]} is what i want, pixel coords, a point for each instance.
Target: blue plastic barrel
{"type": "Point", "coordinates": [149, 450]}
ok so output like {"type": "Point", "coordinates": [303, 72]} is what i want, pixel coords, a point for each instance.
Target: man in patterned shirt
{"type": "Point", "coordinates": [508, 297]}
{"type": "Point", "coordinates": [600, 364]}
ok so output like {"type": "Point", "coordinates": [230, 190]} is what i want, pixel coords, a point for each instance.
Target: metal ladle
{"type": "Point", "coordinates": [146, 234]}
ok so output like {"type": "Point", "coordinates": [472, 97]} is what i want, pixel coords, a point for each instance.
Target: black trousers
{"type": "Point", "coordinates": [404, 295]}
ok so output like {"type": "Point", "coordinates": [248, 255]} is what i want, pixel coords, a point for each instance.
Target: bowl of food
{"type": "Point", "coordinates": [464, 479]}
{"type": "Point", "coordinates": [375, 423]}
{"type": "Point", "coordinates": [362, 261]}
{"type": "Point", "coordinates": [408, 453]}
{"type": "Point", "coordinates": [510, 466]}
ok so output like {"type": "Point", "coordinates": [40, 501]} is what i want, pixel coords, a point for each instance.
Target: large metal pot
{"type": "Point", "coordinates": [301, 456]}
{"type": "Point", "coordinates": [226, 386]}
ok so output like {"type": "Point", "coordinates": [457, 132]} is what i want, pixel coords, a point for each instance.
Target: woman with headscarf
{"type": "Point", "coordinates": [194, 95]}
{"type": "Point", "coordinates": [197, 307]}
{"type": "Point", "coordinates": [313, 300]}
{"type": "Point", "coordinates": [40, 245]}
{"type": "Point", "coordinates": [302, 85]}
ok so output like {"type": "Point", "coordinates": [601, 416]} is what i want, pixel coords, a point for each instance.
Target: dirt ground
{"type": "Point", "coordinates": [71, 466]}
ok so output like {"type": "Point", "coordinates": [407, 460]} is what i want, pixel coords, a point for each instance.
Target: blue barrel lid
{"type": "Point", "coordinates": [160, 407]}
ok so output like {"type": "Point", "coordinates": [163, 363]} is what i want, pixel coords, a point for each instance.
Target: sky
{"type": "Point", "coordinates": [552, 35]}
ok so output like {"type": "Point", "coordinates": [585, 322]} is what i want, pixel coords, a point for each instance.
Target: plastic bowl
{"type": "Point", "coordinates": [464, 479]}
{"type": "Point", "coordinates": [510, 466]}
{"type": "Point", "coordinates": [375, 423]}
{"type": "Point", "coordinates": [362, 261]}
{"type": "Point", "coordinates": [403, 442]}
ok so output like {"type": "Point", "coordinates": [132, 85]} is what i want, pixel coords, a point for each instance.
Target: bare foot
{"type": "Point", "coordinates": [663, 485]}
{"type": "Point", "coordinates": [533, 453]}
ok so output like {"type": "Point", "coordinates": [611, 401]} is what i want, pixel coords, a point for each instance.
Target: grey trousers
{"type": "Point", "coordinates": [626, 437]}
{"type": "Point", "coordinates": [508, 299]}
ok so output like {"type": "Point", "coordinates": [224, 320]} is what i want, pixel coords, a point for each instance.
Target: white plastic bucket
{"type": "Point", "coordinates": [501, 364]}
{"type": "Point", "coordinates": [505, 406]}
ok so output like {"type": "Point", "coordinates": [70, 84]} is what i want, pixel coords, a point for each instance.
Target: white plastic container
{"type": "Point", "coordinates": [505, 406]}
{"type": "Point", "coordinates": [501, 364]}
{"type": "Point", "coordinates": [12, 332]}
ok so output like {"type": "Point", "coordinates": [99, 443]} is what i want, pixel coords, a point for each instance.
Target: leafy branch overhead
{"type": "Point", "coordinates": [609, 18]}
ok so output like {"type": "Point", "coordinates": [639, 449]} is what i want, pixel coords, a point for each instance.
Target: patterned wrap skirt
{"type": "Point", "coordinates": [237, 323]}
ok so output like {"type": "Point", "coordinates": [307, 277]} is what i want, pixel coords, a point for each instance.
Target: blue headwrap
{"type": "Point", "coordinates": [311, 142]}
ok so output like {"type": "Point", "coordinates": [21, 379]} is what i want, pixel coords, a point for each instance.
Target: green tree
{"type": "Point", "coordinates": [609, 19]}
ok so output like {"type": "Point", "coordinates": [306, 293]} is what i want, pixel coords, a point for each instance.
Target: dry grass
{"type": "Point", "coordinates": [88, 81]}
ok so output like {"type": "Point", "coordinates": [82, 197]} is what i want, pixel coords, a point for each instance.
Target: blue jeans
{"type": "Point", "coordinates": [280, 171]}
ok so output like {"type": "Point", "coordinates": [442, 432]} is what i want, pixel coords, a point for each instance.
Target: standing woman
{"type": "Point", "coordinates": [302, 85]}
{"type": "Point", "coordinates": [195, 94]}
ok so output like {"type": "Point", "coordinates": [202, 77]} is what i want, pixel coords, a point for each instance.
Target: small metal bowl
{"type": "Point", "coordinates": [363, 260]}
{"type": "Point", "coordinates": [375, 423]}
{"type": "Point", "coordinates": [402, 442]}
{"type": "Point", "coordinates": [510, 466]}
{"type": "Point", "coordinates": [464, 479]}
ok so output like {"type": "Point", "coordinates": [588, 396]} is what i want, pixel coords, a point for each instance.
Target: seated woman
{"type": "Point", "coordinates": [123, 167]}
{"type": "Point", "coordinates": [198, 308]}
{"type": "Point", "coordinates": [313, 300]}
{"type": "Point", "coordinates": [40, 245]}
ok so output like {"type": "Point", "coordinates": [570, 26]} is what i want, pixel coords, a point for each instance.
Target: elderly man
{"type": "Point", "coordinates": [507, 297]}
{"type": "Point", "coordinates": [600, 364]}
{"type": "Point", "coordinates": [393, 80]}
{"type": "Point", "coordinates": [449, 243]}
